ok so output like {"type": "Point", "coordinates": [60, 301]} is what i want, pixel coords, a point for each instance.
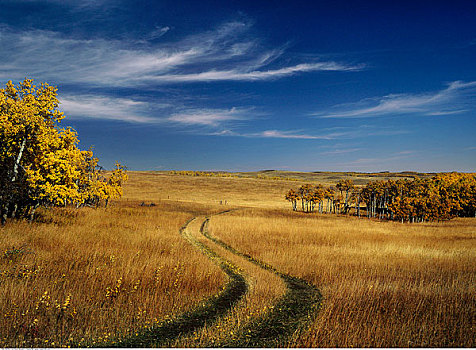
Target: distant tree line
{"type": "Point", "coordinates": [201, 173]}
{"type": "Point", "coordinates": [440, 197]}
{"type": "Point", "coordinates": [225, 174]}
{"type": "Point", "coordinates": [40, 162]}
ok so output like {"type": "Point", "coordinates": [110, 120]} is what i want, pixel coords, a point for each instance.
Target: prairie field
{"type": "Point", "coordinates": [84, 276]}
{"type": "Point", "coordinates": [90, 277]}
{"type": "Point", "coordinates": [385, 284]}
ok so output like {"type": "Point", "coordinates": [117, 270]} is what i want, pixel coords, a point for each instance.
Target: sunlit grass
{"type": "Point", "coordinates": [384, 284]}
{"type": "Point", "coordinates": [83, 277]}
{"type": "Point", "coordinates": [265, 288]}
{"type": "Point", "coordinates": [92, 275]}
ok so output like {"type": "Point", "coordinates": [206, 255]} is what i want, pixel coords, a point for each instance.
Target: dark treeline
{"type": "Point", "coordinates": [441, 197]}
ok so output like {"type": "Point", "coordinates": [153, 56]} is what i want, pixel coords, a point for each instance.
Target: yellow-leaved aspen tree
{"type": "Point", "coordinates": [40, 162]}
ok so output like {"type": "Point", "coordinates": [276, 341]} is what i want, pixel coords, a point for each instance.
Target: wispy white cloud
{"type": "Point", "coordinates": [203, 121]}
{"type": "Point", "coordinates": [340, 133]}
{"type": "Point", "coordinates": [280, 134]}
{"type": "Point", "coordinates": [226, 53]}
{"type": "Point", "coordinates": [208, 117]}
{"type": "Point", "coordinates": [286, 135]}
{"type": "Point", "coordinates": [328, 134]}
{"type": "Point", "coordinates": [457, 111]}
{"type": "Point", "coordinates": [157, 33]}
{"type": "Point", "coordinates": [225, 122]}
{"type": "Point", "coordinates": [111, 108]}
{"type": "Point", "coordinates": [276, 134]}
{"type": "Point", "coordinates": [48, 56]}
{"type": "Point", "coordinates": [147, 112]}
{"type": "Point", "coordinates": [244, 75]}
{"type": "Point", "coordinates": [341, 151]}
{"type": "Point", "coordinates": [456, 98]}
{"type": "Point", "coordinates": [406, 152]}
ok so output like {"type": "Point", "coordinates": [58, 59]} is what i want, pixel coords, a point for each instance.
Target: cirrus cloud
{"type": "Point", "coordinates": [229, 52]}
{"type": "Point", "coordinates": [456, 98]}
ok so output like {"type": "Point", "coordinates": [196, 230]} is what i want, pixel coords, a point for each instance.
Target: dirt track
{"type": "Point", "coordinates": [290, 312]}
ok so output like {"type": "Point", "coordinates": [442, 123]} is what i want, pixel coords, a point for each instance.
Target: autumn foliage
{"type": "Point", "coordinates": [441, 197]}
{"type": "Point", "coordinates": [40, 162]}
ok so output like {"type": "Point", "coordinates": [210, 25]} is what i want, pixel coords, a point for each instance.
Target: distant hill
{"type": "Point", "coordinates": [323, 177]}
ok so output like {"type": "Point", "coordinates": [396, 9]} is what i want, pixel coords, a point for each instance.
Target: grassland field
{"type": "Point", "coordinates": [90, 277]}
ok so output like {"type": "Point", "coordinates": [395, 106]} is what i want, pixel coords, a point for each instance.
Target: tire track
{"type": "Point", "coordinates": [291, 314]}
{"type": "Point", "coordinates": [209, 311]}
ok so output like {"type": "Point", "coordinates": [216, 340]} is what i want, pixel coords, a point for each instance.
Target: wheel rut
{"type": "Point", "coordinates": [297, 307]}
{"type": "Point", "coordinates": [289, 315]}
{"type": "Point", "coordinates": [209, 310]}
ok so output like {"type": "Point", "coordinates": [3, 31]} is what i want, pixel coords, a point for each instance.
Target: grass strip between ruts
{"type": "Point", "coordinates": [209, 310]}
{"type": "Point", "coordinates": [291, 314]}
{"type": "Point", "coordinates": [294, 310]}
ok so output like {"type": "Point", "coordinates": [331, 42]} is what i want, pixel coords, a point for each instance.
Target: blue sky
{"type": "Point", "coordinates": [251, 85]}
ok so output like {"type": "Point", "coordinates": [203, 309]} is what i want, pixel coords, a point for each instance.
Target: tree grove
{"type": "Point", "coordinates": [441, 197]}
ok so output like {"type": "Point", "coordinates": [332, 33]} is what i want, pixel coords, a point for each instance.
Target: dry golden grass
{"type": "Point", "coordinates": [150, 186]}
{"type": "Point", "coordinates": [97, 274]}
{"type": "Point", "coordinates": [384, 284]}
{"type": "Point", "coordinates": [322, 177]}
{"type": "Point", "coordinates": [265, 288]}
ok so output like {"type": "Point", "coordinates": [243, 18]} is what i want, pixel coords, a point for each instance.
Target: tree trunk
{"type": "Point", "coordinates": [358, 205]}
{"type": "Point", "coordinates": [7, 203]}
{"type": "Point", "coordinates": [4, 216]}
{"type": "Point", "coordinates": [32, 214]}
{"type": "Point", "coordinates": [14, 211]}
{"type": "Point", "coordinates": [17, 161]}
